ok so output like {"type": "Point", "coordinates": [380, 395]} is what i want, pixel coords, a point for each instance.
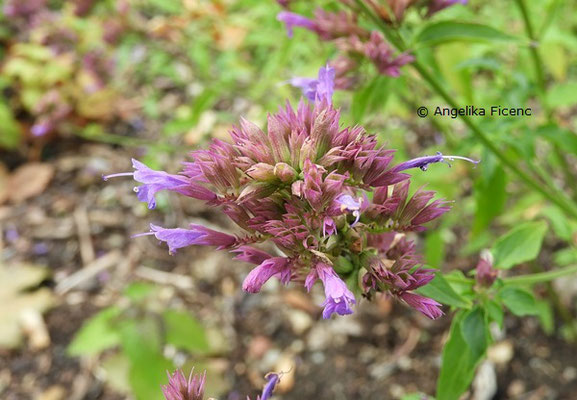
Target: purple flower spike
{"type": "Point", "coordinates": [273, 380]}
{"type": "Point", "coordinates": [318, 89]}
{"type": "Point", "coordinates": [423, 162]}
{"type": "Point", "coordinates": [179, 388]}
{"type": "Point", "coordinates": [291, 20]}
{"type": "Point", "coordinates": [426, 306]}
{"type": "Point", "coordinates": [338, 296]}
{"type": "Point", "coordinates": [178, 238]}
{"type": "Point", "coordinates": [260, 275]}
{"type": "Point", "coordinates": [347, 203]}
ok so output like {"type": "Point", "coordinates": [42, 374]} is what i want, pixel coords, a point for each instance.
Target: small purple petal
{"type": "Point", "coordinates": [338, 296]}
{"type": "Point", "coordinates": [426, 306]}
{"type": "Point", "coordinates": [273, 380]}
{"type": "Point", "coordinates": [291, 20]}
{"type": "Point", "coordinates": [269, 268]}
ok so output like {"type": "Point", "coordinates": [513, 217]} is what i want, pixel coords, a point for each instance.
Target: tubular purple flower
{"type": "Point", "coordinates": [423, 162]}
{"type": "Point", "coordinates": [178, 238]}
{"type": "Point", "coordinates": [273, 380]}
{"type": "Point", "coordinates": [275, 266]}
{"type": "Point", "coordinates": [179, 388]}
{"type": "Point", "coordinates": [424, 305]}
{"type": "Point", "coordinates": [155, 181]}
{"type": "Point", "coordinates": [251, 255]}
{"type": "Point", "coordinates": [347, 203]}
{"type": "Point", "coordinates": [338, 296]}
{"type": "Point", "coordinates": [318, 89]}
{"type": "Point", "coordinates": [291, 20]}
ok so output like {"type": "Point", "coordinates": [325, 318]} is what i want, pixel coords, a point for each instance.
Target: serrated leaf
{"type": "Point", "coordinates": [519, 301]}
{"type": "Point", "coordinates": [449, 31]}
{"type": "Point", "coordinates": [519, 245]}
{"type": "Point", "coordinates": [97, 334]}
{"type": "Point", "coordinates": [185, 332]}
{"type": "Point", "coordinates": [440, 290]}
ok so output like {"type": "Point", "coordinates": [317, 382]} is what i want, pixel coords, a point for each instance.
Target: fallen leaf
{"type": "Point", "coordinates": [29, 180]}
{"type": "Point", "coordinates": [17, 301]}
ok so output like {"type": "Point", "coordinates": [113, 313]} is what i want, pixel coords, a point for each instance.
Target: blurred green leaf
{"type": "Point", "coordinates": [448, 31]}
{"type": "Point", "coordinates": [10, 134]}
{"type": "Point", "coordinates": [440, 290]}
{"type": "Point", "coordinates": [474, 331]}
{"type": "Point", "coordinates": [141, 344]}
{"type": "Point", "coordinates": [545, 315]}
{"type": "Point", "coordinates": [370, 98]}
{"type": "Point", "coordinates": [519, 301]}
{"type": "Point", "coordinates": [97, 334]}
{"type": "Point", "coordinates": [562, 94]}
{"type": "Point", "coordinates": [458, 362]}
{"type": "Point", "coordinates": [490, 195]}
{"type": "Point", "coordinates": [185, 332]}
{"type": "Point", "coordinates": [495, 312]}
{"type": "Point", "coordinates": [519, 245]}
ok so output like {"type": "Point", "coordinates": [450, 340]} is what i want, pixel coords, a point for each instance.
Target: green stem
{"type": "Point", "coordinates": [542, 86]}
{"type": "Point", "coordinates": [560, 199]}
{"type": "Point", "coordinates": [540, 277]}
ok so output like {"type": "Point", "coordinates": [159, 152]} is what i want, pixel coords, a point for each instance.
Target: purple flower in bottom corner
{"type": "Point", "coordinates": [338, 297]}
{"type": "Point", "coordinates": [273, 380]}
{"type": "Point", "coordinates": [179, 388]}
{"type": "Point", "coordinates": [424, 305]}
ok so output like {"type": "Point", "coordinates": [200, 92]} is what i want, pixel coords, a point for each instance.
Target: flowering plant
{"type": "Point", "coordinates": [329, 198]}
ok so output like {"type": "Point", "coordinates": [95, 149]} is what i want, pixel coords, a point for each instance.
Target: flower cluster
{"type": "Point", "coordinates": [179, 388]}
{"type": "Point", "coordinates": [329, 198]}
{"type": "Point", "coordinates": [356, 43]}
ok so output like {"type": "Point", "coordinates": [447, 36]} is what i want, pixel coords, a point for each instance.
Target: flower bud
{"type": "Point", "coordinates": [285, 172]}
{"type": "Point", "coordinates": [261, 172]}
{"type": "Point", "coordinates": [486, 274]}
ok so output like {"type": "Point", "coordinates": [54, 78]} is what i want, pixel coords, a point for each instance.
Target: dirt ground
{"type": "Point", "coordinates": [383, 351]}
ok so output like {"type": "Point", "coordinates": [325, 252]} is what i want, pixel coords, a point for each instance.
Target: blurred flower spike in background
{"type": "Point", "coordinates": [179, 388]}
{"type": "Point", "coordinates": [304, 185]}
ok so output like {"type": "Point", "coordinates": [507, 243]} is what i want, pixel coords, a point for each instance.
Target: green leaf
{"type": "Point", "coordinates": [10, 133]}
{"type": "Point", "coordinates": [97, 334]}
{"type": "Point", "coordinates": [562, 94]}
{"type": "Point", "coordinates": [474, 331]}
{"type": "Point", "coordinates": [448, 31]}
{"type": "Point", "coordinates": [545, 315]}
{"type": "Point", "coordinates": [563, 227]}
{"type": "Point", "coordinates": [458, 363]}
{"type": "Point", "coordinates": [185, 332]}
{"type": "Point", "coordinates": [141, 344]}
{"type": "Point", "coordinates": [519, 301]}
{"type": "Point", "coordinates": [519, 245]}
{"type": "Point", "coordinates": [495, 312]}
{"type": "Point", "coordinates": [370, 98]}
{"type": "Point", "coordinates": [490, 194]}
{"type": "Point", "coordinates": [440, 290]}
